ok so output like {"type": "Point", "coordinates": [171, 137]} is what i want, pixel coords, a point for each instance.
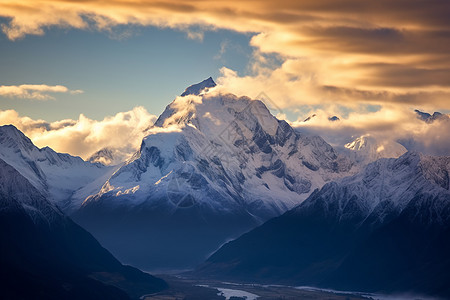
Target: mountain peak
{"type": "Point", "coordinates": [197, 88]}
{"type": "Point", "coordinates": [430, 118]}
{"type": "Point", "coordinates": [9, 129]}
{"type": "Point", "coordinates": [12, 137]}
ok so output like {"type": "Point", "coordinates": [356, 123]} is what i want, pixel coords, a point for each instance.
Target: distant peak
{"type": "Point", "coordinates": [430, 118]}
{"type": "Point", "coordinates": [196, 89]}
{"type": "Point", "coordinates": [310, 118]}
{"type": "Point", "coordinates": [422, 115]}
{"type": "Point", "coordinates": [333, 118]}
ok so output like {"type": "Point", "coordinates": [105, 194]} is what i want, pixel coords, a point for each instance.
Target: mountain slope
{"type": "Point", "coordinates": [386, 229]}
{"type": "Point", "coordinates": [212, 167]}
{"type": "Point", "coordinates": [44, 255]}
{"type": "Point", "coordinates": [64, 179]}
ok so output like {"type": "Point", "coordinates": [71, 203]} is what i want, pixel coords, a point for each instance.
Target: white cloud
{"type": "Point", "coordinates": [389, 123]}
{"type": "Point", "coordinates": [34, 91]}
{"type": "Point", "coordinates": [123, 132]}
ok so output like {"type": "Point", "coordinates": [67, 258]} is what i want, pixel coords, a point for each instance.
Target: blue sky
{"type": "Point", "coordinates": [149, 67]}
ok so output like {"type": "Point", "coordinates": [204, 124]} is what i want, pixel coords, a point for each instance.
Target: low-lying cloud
{"type": "Point", "coordinates": [34, 91]}
{"type": "Point", "coordinates": [122, 132]}
{"type": "Point", "coordinates": [387, 124]}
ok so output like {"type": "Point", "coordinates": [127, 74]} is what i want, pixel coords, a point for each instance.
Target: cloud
{"type": "Point", "coordinates": [388, 123]}
{"type": "Point", "coordinates": [122, 132]}
{"type": "Point", "coordinates": [223, 48]}
{"type": "Point", "coordinates": [34, 91]}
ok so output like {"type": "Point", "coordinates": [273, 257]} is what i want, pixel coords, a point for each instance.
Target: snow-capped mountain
{"type": "Point", "coordinates": [384, 229]}
{"type": "Point", "coordinates": [216, 158]}
{"type": "Point", "coordinates": [366, 149]}
{"type": "Point", "coordinates": [66, 180]}
{"type": "Point", "coordinates": [229, 148]}
{"type": "Point", "coordinates": [334, 118]}
{"type": "Point", "coordinates": [45, 255]}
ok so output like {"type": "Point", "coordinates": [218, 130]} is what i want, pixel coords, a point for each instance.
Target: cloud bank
{"type": "Point", "coordinates": [122, 132]}
{"type": "Point", "coordinates": [347, 52]}
{"type": "Point", "coordinates": [34, 91]}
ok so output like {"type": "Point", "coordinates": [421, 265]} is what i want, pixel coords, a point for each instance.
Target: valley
{"type": "Point", "coordinates": [185, 288]}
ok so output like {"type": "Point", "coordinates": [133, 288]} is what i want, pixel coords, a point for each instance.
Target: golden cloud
{"type": "Point", "coordinates": [34, 91]}
{"type": "Point", "coordinates": [347, 51]}
{"type": "Point", "coordinates": [121, 133]}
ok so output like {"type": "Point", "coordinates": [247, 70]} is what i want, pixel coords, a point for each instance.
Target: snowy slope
{"type": "Point", "coordinates": [60, 177]}
{"type": "Point", "coordinates": [16, 193]}
{"type": "Point", "coordinates": [388, 181]}
{"type": "Point", "coordinates": [366, 149]}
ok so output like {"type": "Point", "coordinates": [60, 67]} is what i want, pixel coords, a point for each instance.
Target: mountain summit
{"type": "Point", "coordinates": [196, 89]}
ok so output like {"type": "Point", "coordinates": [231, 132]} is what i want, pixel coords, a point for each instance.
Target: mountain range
{"type": "Point", "coordinates": [385, 229]}
{"type": "Point", "coordinates": [220, 183]}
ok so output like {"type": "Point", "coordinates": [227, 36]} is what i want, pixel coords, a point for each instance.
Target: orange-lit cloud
{"type": "Point", "coordinates": [122, 132]}
{"type": "Point", "coordinates": [347, 51]}
{"type": "Point", "coordinates": [34, 91]}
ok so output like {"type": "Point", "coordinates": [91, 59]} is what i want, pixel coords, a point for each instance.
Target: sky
{"type": "Point", "coordinates": [75, 71]}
